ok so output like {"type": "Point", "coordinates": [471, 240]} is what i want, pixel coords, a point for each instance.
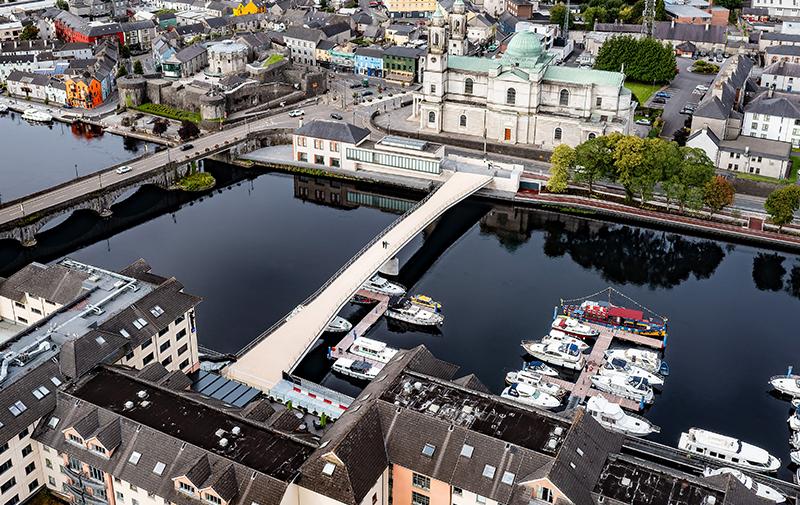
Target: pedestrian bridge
{"type": "Point", "coordinates": [280, 348]}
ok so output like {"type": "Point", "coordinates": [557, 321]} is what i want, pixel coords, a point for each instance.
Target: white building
{"type": "Point", "coordinates": [520, 98]}
{"type": "Point", "coordinates": [778, 8]}
{"type": "Point", "coordinates": [773, 115]}
{"type": "Point", "coordinates": [750, 155]}
{"type": "Point", "coordinates": [302, 44]}
{"type": "Point", "coordinates": [782, 76]}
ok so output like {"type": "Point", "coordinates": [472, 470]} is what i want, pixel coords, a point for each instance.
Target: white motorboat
{"type": "Point", "coordinates": [378, 284]}
{"type": "Point", "coordinates": [36, 115]}
{"type": "Point", "coordinates": [560, 336]}
{"type": "Point", "coordinates": [611, 415]}
{"type": "Point", "coordinates": [794, 440]}
{"type": "Point", "coordinates": [358, 369]}
{"type": "Point", "coordinates": [760, 490]}
{"type": "Point", "coordinates": [644, 359]}
{"type": "Point", "coordinates": [3, 108]}
{"type": "Point", "coordinates": [415, 314]}
{"type": "Point", "coordinates": [795, 457]}
{"type": "Point", "coordinates": [574, 327]}
{"type": "Point", "coordinates": [566, 355]}
{"type": "Point", "coordinates": [339, 325]}
{"type": "Point", "coordinates": [535, 380]}
{"type": "Point", "coordinates": [372, 349]}
{"type": "Point", "coordinates": [529, 395]}
{"type": "Point", "coordinates": [632, 388]}
{"type": "Point", "coordinates": [794, 420]}
{"type": "Point", "coordinates": [619, 366]}
{"type": "Point", "coordinates": [786, 384]}
{"type": "Point", "coordinates": [540, 368]}
{"type": "Point", "coordinates": [728, 450]}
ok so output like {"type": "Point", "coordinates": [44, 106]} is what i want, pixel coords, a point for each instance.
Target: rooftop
{"type": "Point", "coordinates": [333, 130]}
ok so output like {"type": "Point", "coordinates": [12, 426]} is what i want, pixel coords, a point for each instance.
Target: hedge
{"type": "Point", "coordinates": [160, 109]}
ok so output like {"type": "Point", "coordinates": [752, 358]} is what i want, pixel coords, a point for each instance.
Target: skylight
{"type": "Point", "coordinates": [488, 471]}
{"type": "Point", "coordinates": [56, 381]}
{"type": "Point", "coordinates": [41, 392]}
{"type": "Point", "coordinates": [139, 323]}
{"type": "Point", "coordinates": [428, 450]}
{"type": "Point", "coordinates": [328, 469]}
{"type": "Point", "coordinates": [135, 457]}
{"type": "Point", "coordinates": [508, 478]}
{"type": "Point", "coordinates": [18, 408]}
{"type": "Point", "coordinates": [157, 310]}
{"type": "Point", "coordinates": [124, 333]}
{"type": "Point", "coordinates": [53, 422]}
{"type": "Point", "coordinates": [466, 450]}
{"type": "Point", "coordinates": [100, 340]}
{"type": "Point", "coordinates": [159, 468]}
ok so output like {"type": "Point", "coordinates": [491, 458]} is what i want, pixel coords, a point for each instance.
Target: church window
{"type": "Point", "coordinates": [511, 96]}
{"type": "Point", "coordinates": [468, 86]}
{"type": "Point", "coordinates": [563, 97]}
{"type": "Point", "coordinates": [462, 121]}
{"type": "Point", "coordinates": [557, 134]}
{"type": "Point", "coordinates": [431, 117]}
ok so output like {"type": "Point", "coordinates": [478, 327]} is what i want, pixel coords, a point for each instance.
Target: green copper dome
{"type": "Point", "coordinates": [524, 45]}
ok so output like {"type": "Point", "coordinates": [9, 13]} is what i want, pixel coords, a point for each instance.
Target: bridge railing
{"type": "Point", "coordinates": [336, 275]}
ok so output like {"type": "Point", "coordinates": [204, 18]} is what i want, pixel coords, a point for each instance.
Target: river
{"type": "Point", "coordinates": [258, 245]}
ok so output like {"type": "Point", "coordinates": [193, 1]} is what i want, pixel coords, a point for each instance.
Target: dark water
{"type": "Point", "coordinates": [257, 248]}
{"type": "Point", "coordinates": [36, 156]}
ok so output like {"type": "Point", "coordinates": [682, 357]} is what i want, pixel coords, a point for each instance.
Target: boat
{"type": "Point", "coordinates": [378, 284]}
{"type": "Point", "coordinates": [794, 420]}
{"type": "Point", "coordinates": [529, 395]}
{"type": "Point", "coordinates": [786, 384]}
{"type": "Point", "coordinates": [574, 327]}
{"type": "Point", "coordinates": [535, 380]}
{"type": "Point", "coordinates": [613, 316]}
{"type": "Point", "coordinates": [36, 115]}
{"type": "Point", "coordinates": [728, 450]}
{"type": "Point", "coordinates": [632, 388]}
{"type": "Point", "coordinates": [797, 476]}
{"type": "Point", "coordinates": [362, 300]}
{"type": "Point", "coordinates": [356, 368]}
{"type": "Point", "coordinates": [611, 415]}
{"type": "Point", "coordinates": [540, 368]}
{"type": "Point", "coordinates": [795, 457]}
{"type": "Point", "coordinates": [3, 108]}
{"type": "Point", "coordinates": [372, 349]}
{"type": "Point", "coordinates": [566, 355]}
{"type": "Point", "coordinates": [644, 359]}
{"type": "Point", "coordinates": [620, 366]}
{"type": "Point", "coordinates": [426, 301]}
{"type": "Point", "coordinates": [794, 440]}
{"type": "Point", "coordinates": [560, 336]}
{"type": "Point", "coordinates": [409, 312]}
{"type": "Point", "coordinates": [339, 325]}
{"type": "Point", "coordinates": [760, 490]}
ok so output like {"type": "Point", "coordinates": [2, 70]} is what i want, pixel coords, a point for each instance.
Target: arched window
{"type": "Point", "coordinates": [468, 85]}
{"type": "Point", "coordinates": [563, 97]}
{"type": "Point", "coordinates": [462, 121]}
{"type": "Point", "coordinates": [556, 134]}
{"type": "Point", "coordinates": [431, 117]}
{"type": "Point", "coordinates": [435, 39]}
{"type": "Point", "coordinates": [511, 96]}
{"type": "Point", "coordinates": [591, 136]}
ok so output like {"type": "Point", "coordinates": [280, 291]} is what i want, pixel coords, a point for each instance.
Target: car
{"type": "Point", "coordinates": [355, 85]}
{"type": "Point", "coordinates": [186, 147]}
{"type": "Point", "coordinates": [124, 169]}
{"type": "Point", "coordinates": [282, 104]}
{"type": "Point", "coordinates": [701, 87]}
{"type": "Point", "coordinates": [335, 115]}
{"type": "Point", "coordinates": [663, 94]}
{"type": "Point", "coordinates": [296, 112]}
{"type": "Point", "coordinates": [643, 121]}
{"type": "Point", "coordinates": [659, 99]}
{"type": "Point", "coordinates": [720, 59]}
{"type": "Point", "coordinates": [366, 93]}
{"type": "Point", "coordinates": [687, 110]}
{"type": "Point", "coordinates": [374, 4]}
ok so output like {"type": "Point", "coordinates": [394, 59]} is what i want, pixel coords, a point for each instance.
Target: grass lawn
{"type": "Point", "coordinates": [159, 109]}
{"type": "Point", "coordinates": [273, 58]}
{"type": "Point", "coordinates": [198, 181]}
{"type": "Point", "coordinates": [792, 179]}
{"type": "Point", "coordinates": [642, 91]}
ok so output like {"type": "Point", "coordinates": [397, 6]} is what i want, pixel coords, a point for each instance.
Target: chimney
{"type": "Point", "coordinates": [672, 23]}
{"type": "Point", "coordinates": [770, 91]}
{"type": "Point", "coordinates": [707, 25]}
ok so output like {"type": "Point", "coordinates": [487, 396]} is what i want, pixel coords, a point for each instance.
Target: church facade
{"type": "Point", "coordinates": [518, 98]}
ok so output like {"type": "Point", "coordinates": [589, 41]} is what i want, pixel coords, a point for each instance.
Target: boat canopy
{"type": "Point", "coordinates": [626, 313]}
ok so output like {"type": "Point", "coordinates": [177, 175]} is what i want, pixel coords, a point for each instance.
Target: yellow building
{"type": "Point", "coordinates": [410, 8]}
{"type": "Point", "coordinates": [251, 7]}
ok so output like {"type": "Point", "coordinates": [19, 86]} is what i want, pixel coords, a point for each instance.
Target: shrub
{"type": "Point", "coordinates": [163, 110]}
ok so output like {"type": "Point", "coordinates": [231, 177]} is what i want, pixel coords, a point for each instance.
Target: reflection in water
{"type": "Point", "coordinates": [622, 254]}
{"type": "Point", "coordinates": [89, 132]}
{"type": "Point", "coordinates": [770, 274]}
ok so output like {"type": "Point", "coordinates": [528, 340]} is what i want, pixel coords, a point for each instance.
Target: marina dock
{"type": "Point", "coordinates": [582, 388]}
{"type": "Point", "coordinates": [341, 350]}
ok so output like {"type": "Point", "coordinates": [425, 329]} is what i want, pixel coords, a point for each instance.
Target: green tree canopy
{"type": "Point", "coordinates": [643, 60]}
{"type": "Point", "coordinates": [782, 203]}
{"type": "Point", "coordinates": [718, 194]}
{"type": "Point", "coordinates": [557, 14]}
{"type": "Point", "coordinates": [562, 162]}
{"type": "Point", "coordinates": [661, 11]}
{"type": "Point", "coordinates": [137, 67]}
{"type": "Point", "coordinates": [30, 32]}
{"type": "Point", "coordinates": [686, 185]}
{"type": "Point", "coordinates": [594, 160]}
{"type": "Point", "coordinates": [594, 15]}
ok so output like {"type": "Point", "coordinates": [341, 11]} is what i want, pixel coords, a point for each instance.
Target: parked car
{"type": "Point", "coordinates": [663, 94]}
{"type": "Point", "coordinates": [335, 115]}
{"type": "Point", "coordinates": [355, 85]}
{"type": "Point", "coordinates": [687, 110]}
{"type": "Point", "coordinates": [296, 113]}
{"type": "Point", "coordinates": [659, 99]}
{"type": "Point", "coordinates": [186, 147]}
{"type": "Point", "coordinates": [366, 93]}
{"type": "Point", "coordinates": [643, 121]}
{"type": "Point", "coordinates": [124, 169]}
{"type": "Point", "coordinates": [701, 87]}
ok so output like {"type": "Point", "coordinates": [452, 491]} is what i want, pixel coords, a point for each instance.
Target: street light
{"type": "Point", "coordinates": [76, 170]}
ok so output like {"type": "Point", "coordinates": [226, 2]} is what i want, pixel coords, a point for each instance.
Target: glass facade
{"type": "Point", "coordinates": [404, 162]}
{"type": "Point", "coordinates": [379, 202]}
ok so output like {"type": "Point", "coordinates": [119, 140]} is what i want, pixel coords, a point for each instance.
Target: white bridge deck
{"type": "Point", "coordinates": [280, 348]}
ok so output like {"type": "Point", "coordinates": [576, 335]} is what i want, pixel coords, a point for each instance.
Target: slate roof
{"type": "Point", "coordinates": [664, 30]}
{"type": "Point", "coordinates": [471, 381]}
{"type": "Point", "coordinates": [189, 53]}
{"type": "Point", "coordinates": [775, 103]}
{"type": "Point", "coordinates": [782, 50]}
{"type": "Point", "coordinates": [618, 27]}
{"type": "Point", "coordinates": [784, 68]}
{"type": "Point", "coordinates": [333, 130]}
{"type": "Point", "coordinates": [22, 390]}
{"type": "Point", "coordinates": [729, 84]}
{"type": "Point", "coordinates": [28, 78]}
{"type": "Point", "coordinates": [55, 282]}
{"type": "Point", "coordinates": [402, 52]}
{"type": "Point", "coordinates": [334, 29]}
{"type": "Point", "coordinates": [369, 52]}
{"type": "Point", "coordinates": [298, 32]}
{"type": "Point", "coordinates": [782, 37]}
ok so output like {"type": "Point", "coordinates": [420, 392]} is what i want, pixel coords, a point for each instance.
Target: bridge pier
{"type": "Point", "coordinates": [105, 212]}
{"type": "Point", "coordinates": [27, 235]}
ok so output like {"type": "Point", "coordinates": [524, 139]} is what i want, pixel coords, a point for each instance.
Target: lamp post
{"type": "Point", "coordinates": [76, 170]}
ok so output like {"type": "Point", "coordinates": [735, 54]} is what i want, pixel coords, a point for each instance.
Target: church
{"type": "Point", "coordinates": [521, 97]}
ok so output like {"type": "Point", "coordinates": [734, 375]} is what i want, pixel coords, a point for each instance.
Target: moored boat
{"type": "Point", "coordinates": [540, 368]}
{"type": "Point", "coordinates": [378, 284]}
{"type": "Point", "coordinates": [644, 359]}
{"type": "Point", "coordinates": [760, 490]}
{"type": "Point", "coordinates": [411, 313]}
{"type": "Point", "coordinates": [529, 395]}
{"type": "Point", "coordinates": [372, 349]}
{"type": "Point", "coordinates": [786, 384]}
{"type": "Point", "coordinates": [535, 380]}
{"type": "Point", "coordinates": [566, 355]}
{"type": "Point", "coordinates": [338, 325]}
{"type": "Point", "coordinates": [36, 115]}
{"type": "Point", "coordinates": [573, 327]}
{"type": "Point", "coordinates": [620, 366]}
{"type": "Point", "coordinates": [425, 301]}
{"type": "Point", "coordinates": [3, 108]}
{"type": "Point", "coordinates": [611, 415]}
{"type": "Point", "coordinates": [613, 316]}
{"type": "Point", "coordinates": [728, 450]}
{"type": "Point", "coordinates": [794, 420]}
{"type": "Point", "coordinates": [358, 369]}
{"type": "Point", "coordinates": [795, 457]}
{"type": "Point", "coordinates": [631, 388]}
{"type": "Point", "coordinates": [362, 300]}
{"type": "Point", "coordinates": [560, 336]}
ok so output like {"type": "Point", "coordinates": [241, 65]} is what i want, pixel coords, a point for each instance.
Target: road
{"type": "Point", "coordinates": [682, 90]}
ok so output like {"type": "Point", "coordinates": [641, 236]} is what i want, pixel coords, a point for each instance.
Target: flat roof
{"type": "Point", "coordinates": [259, 448]}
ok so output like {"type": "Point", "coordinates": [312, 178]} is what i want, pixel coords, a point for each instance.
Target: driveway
{"type": "Point", "coordinates": [682, 90]}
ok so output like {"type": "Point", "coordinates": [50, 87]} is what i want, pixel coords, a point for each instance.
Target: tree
{"type": "Point", "coordinates": [687, 184]}
{"type": "Point", "coordinates": [557, 14]}
{"type": "Point", "coordinates": [188, 130]}
{"type": "Point", "coordinates": [160, 127]}
{"type": "Point", "coordinates": [592, 15]}
{"type": "Point", "coordinates": [782, 203]}
{"type": "Point", "coordinates": [62, 4]}
{"type": "Point", "coordinates": [645, 60]}
{"type": "Point", "coordinates": [718, 194]}
{"type": "Point", "coordinates": [562, 162]}
{"type": "Point", "coordinates": [594, 160]}
{"type": "Point", "coordinates": [122, 71]}
{"type": "Point", "coordinates": [661, 11]}
{"type": "Point", "coordinates": [30, 32]}
{"type": "Point", "coordinates": [137, 67]}
{"type": "Point", "coordinates": [124, 51]}
{"type": "Point", "coordinates": [680, 136]}
{"type": "Point", "coordinates": [629, 155]}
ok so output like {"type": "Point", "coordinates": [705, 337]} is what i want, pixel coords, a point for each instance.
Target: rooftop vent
{"type": "Point", "coordinates": [558, 430]}
{"type": "Point", "coordinates": [144, 404]}
{"type": "Point", "coordinates": [236, 430]}
{"type": "Point", "coordinates": [141, 394]}
{"type": "Point", "coordinates": [219, 432]}
{"type": "Point", "coordinates": [552, 444]}
{"type": "Point", "coordinates": [128, 405]}
{"type": "Point", "coordinates": [625, 481]}
{"type": "Point", "coordinates": [417, 386]}
{"type": "Point", "coordinates": [135, 456]}
{"type": "Point", "coordinates": [709, 500]}
{"type": "Point", "coordinates": [223, 442]}
{"type": "Point", "coordinates": [53, 422]}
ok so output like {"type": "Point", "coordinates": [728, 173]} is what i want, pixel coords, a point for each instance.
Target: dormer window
{"type": "Point", "coordinates": [98, 449]}
{"type": "Point", "coordinates": [186, 488]}
{"type": "Point", "coordinates": [75, 439]}
{"type": "Point", "coordinates": [210, 498]}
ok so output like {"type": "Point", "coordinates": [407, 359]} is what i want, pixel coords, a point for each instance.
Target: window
{"type": "Point", "coordinates": [75, 438]}
{"type": "Point", "coordinates": [433, 88]}
{"type": "Point", "coordinates": [156, 310]}
{"type": "Point", "coordinates": [22, 320]}
{"type": "Point", "coordinates": [139, 323]}
{"type": "Point", "coordinates": [462, 121]}
{"type": "Point", "coordinates": [466, 450]}
{"type": "Point", "coordinates": [428, 450]}
{"type": "Point", "coordinates": [457, 491]}
{"type": "Point", "coordinates": [545, 494]}
{"type": "Point", "coordinates": [420, 481]}
{"type": "Point", "coordinates": [13, 501]}
{"type": "Point", "coordinates": [23, 433]}
{"type": "Point", "coordinates": [120, 497]}
{"type": "Point", "coordinates": [469, 86]}
{"type": "Point", "coordinates": [5, 466]}
{"type": "Point", "coordinates": [134, 501]}
{"type": "Point", "coordinates": [98, 449]}
{"type": "Point", "coordinates": [19, 305]}
{"type": "Point", "coordinates": [186, 488]}
{"type": "Point", "coordinates": [164, 346]}
{"type": "Point", "coordinates": [431, 117]}
{"type": "Point", "coordinates": [30, 468]}
{"type": "Point", "coordinates": [479, 499]}
{"type": "Point", "coordinates": [180, 334]}
{"type": "Point", "coordinates": [419, 499]}
{"type": "Point", "coordinates": [18, 408]}
{"type": "Point", "coordinates": [764, 127]}
{"type": "Point", "coordinates": [182, 349]}
{"type": "Point", "coordinates": [319, 159]}
{"type": "Point", "coordinates": [488, 471]}
{"type": "Point", "coordinates": [8, 485]}
{"type": "Point", "coordinates": [508, 478]}
{"type": "Point", "coordinates": [163, 332]}
{"type": "Point", "coordinates": [591, 136]}
{"type": "Point", "coordinates": [754, 126]}
{"type": "Point", "coordinates": [36, 311]}
{"type": "Point", "coordinates": [334, 146]}
{"type": "Point", "coordinates": [33, 485]}
{"type": "Point", "coordinates": [51, 481]}
{"type": "Point", "coordinates": [557, 134]}
{"type": "Point", "coordinates": [145, 344]}
{"type": "Point", "coordinates": [159, 468]}
{"type": "Point", "coordinates": [210, 498]}
{"type": "Point", "coordinates": [335, 163]}
{"type": "Point", "coordinates": [96, 473]}
{"type": "Point", "coordinates": [147, 359]}
{"type": "Point", "coordinates": [166, 361]}
{"type": "Point", "coordinates": [318, 144]}
{"type": "Point", "coordinates": [48, 463]}
{"type": "Point", "coordinates": [135, 457]}
{"type": "Point", "coordinates": [301, 141]}
{"type": "Point", "coordinates": [563, 97]}
{"type": "Point", "coordinates": [40, 393]}
{"type": "Point", "coordinates": [184, 364]}
{"type": "Point", "coordinates": [598, 102]}
{"type": "Point", "coordinates": [511, 96]}
{"type": "Point", "coordinates": [27, 450]}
